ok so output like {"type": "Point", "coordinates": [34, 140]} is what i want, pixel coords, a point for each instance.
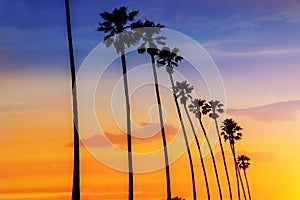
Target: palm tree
{"type": "Point", "coordinates": [117, 24]}
{"type": "Point", "coordinates": [214, 108]}
{"type": "Point", "coordinates": [230, 131]}
{"type": "Point", "coordinates": [147, 30]}
{"type": "Point", "coordinates": [177, 198]}
{"type": "Point", "coordinates": [76, 163]}
{"type": "Point", "coordinates": [243, 163]}
{"type": "Point", "coordinates": [169, 58]}
{"type": "Point", "coordinates": [197, 107]}
{"type": "Point", "coordinates": [183, 91]}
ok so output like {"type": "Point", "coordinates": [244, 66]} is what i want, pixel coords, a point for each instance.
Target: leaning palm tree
{"type": "Point", "coordinates": [230, 131]}
{"type": "Point", "coordinates": [76, 168]}
{"type": "Point", "coordinates": [197, 107]}
{"type": "Point", "coordinates": [117, 24]}
{"type": "Point", "coordinates": [183, 91]}
{"type": "Point", "coordinates": [148, 30]}
{"type": "Point", "coordinates": [169, 59]}
{"type": "Point", "coordinates": [214, 108]}
{"type": "Point", "coordinates": [243, 163]}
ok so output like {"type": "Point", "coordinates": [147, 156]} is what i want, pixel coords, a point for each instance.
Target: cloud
{"type": "Point", "coordinates": [281, 111]}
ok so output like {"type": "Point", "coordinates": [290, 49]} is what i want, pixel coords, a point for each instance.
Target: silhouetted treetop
{"type": "Point", "coordinates": [168, 58]}
{"type": "Point", "coordinates": [231, 131]}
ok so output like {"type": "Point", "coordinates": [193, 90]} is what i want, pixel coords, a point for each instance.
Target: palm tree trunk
{"type": "Point", "coordinates": [242, 184]}
{"type": "Point", "coordinates": [224, 160]}
{"type": "Point", "coordinates": [200, 153]}
{"type": "Point", "coordinates": [236, 171]}
{"type": "Point", "coordinates": [213, 158]}
{"type": "Point", "coordinates": [163, 133]}
{"type": "Point", "coordinates": [248, 188]}
{"type": "Point", "coordinates": [186, 140]}
{"type": "Point", "coordinates": [130, 168]}
{"type": "Point", "coordinates": [76, 168]}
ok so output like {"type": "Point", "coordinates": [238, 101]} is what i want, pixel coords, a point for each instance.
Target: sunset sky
{"type": "Point", "coordinates": [254, 45]}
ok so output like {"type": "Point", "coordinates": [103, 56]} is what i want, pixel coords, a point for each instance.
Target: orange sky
{"type": "Point", "coordinates": [36, 161]}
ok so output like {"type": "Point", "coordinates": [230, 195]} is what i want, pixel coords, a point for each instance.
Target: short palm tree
{"type": "Point", "coordinates": [147, 31]}
{"type": "Point", "coordinates": [243, 163]}
{"type": "Point", "coordinates": [169, 59]}
{"type": "Point", "coordinates": [230, 131]}
{"type": "Point", "coordinates": [76, 167]}
{"type": "Point", "coordinates": [196, 107]}
{"type": "Point", "coordinates": [183, 91]}
{"type": "Point", "coordinates": [117, 25]}
{"type": "Point", "coordinates": [214, 108]}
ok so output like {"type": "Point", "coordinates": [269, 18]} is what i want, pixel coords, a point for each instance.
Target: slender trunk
{"type": "Point", "coordinates": [236, 171]}
{"type": "Point", "coordinates": [186, 140]}
{"type": "Point", "coordinates": [213, 159]}
{"type": "Point", "coordinates": [130, 169]}
{"type": "Point", "coordinates": [248, 188]}
{"type": "Point", "coordinates": [163, 133]}
{"type": "Point", "coordinates": [76, 167]}
{"type": "Point", "coordinates": [242, 184]}
{"type": "Point", "coordinates": [224, 160]}
{"type": "Point", "coordinates": [200, 153]}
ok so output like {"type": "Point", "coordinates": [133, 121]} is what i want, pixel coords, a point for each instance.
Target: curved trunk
{"type": "Point", "coordinates": [130, 168]}
{"type": "Point", "coordinates": [76, 168]}
{"type": "Point", "coordinates": [163, 133]}
{"type": "Point", "coordinates": [186, 140]}
{"type": "Point", "coordinates": [236, 171]}
{"type": "Point", "coordinates": [242, 184]}
{"type": "Point", "coordinates": [248, 188]}
{"type": "Point", "coordinates": [200, 153]}
{"type": "Point", "coordinates": [224, 160]}
{"type": "Point", "coordinates": [213, 158]}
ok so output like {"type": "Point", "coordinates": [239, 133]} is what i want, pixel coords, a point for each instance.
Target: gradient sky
{"type": "Point", "coordinates": [255, 45]}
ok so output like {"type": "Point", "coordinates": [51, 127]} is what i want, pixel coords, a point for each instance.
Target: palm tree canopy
{"type": "Point", "coordinates": [231, 131]}
{"type": "Point", "coordinates": [177, 198]}
{"type": "Point", "coordinates": [116, 24]}
{"type": "Point", "coordinates": [213, 107]}
{"type": "Point", "coordinates": [243, 162]}
{"type": "Point", "coordinates": [183, 91]}
{"type": "Point", "coordinates": [147, 30]}
{"type": "Point", "coordinates": [168, 58]}
{"type": "Point", "coordinates": [196, 107]}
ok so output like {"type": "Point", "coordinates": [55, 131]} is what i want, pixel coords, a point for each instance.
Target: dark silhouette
{"type": "Point", "coordinates": [196, 107]}
{"type": "Point", "coordinates": [177, 198]}
{"type": "Point", "coordinates": [148, 30]}
{"type": "Point", "coordinates": [213, 108]}
{"type": "Point", "coordinates": [241, 181]}
{"type": "Point", "coordinates": [117, 24]}
{"type": "Point", "coordinates": [243, 163]}
{"type": "Point", "coordinates": [183, 91]}
{"type": "Point", "coordinates": [231, 132]}
{"type": "Point", "coordinates": [76, 167]}
{"type": "Point", "coordinates": [169, 59]}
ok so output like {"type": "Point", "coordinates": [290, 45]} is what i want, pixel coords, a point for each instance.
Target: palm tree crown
{"type": "Point", "coordinates": [168, 58]}
{"type": "Point", "coordinates": [183, 90]}
{"type": "Point", "coordinates": [196, 107]}
{"type": "Point", "coordinates": [116, 24]}
{"type": "Point", "coordinates": [213, 107]}
{"type": "Point", "coordinates": [231, 131]}
{"type": "Point", "coordinates": [243, 162]}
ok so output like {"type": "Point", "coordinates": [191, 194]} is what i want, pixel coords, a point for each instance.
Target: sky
{"type": "Point", "coordinates": [252, 45]}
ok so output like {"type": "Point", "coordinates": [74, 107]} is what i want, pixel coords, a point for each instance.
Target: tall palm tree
{"type": "Point", "coordinates": [147, 31]}
{"type": "Point", "coordinates": [230, 131]}
{"type": "Point", "coordinates": [214, 107]}
{"type": "Point", "coordinates": [117, 24]}
{"type": "Point", "coordinates": [183, 91]}
{"type": "Point", "coordinates": [169, 59]}
{"type": "Point", "coordinates": [76, 163]}
{"type": "Point", "coordinates": [197, 107]}
{"type": "Point", "coordinates": [243, 163]}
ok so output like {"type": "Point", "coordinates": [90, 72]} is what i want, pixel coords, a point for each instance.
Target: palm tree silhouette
{"type": "Point", "coordinates": [213, 108]}
{"type": "Point", "coordinates": [147, 31]}
{"type": "Point", "coordinates": [230, 131]}
{"type": "Point", "coordinates": [76, 162]}
{"type": "Point", "coordinates": [196, 107]}
{"type": "Point", "coordinates": [242, 184]}
{"type": "Point", "coordinates": [117, 24]}
{"type": "Point", "coordinates": [177, 198]}
{"type": "Point", "coordinates": [183, 91]}
{"type": "Point", "coordinates": [169, 59]}
{"type": "Point", "coordinates": [243, 163]}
